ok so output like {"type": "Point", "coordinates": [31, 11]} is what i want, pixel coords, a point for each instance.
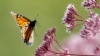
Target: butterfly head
{"type": "Point", "coordinates": [32, 23]}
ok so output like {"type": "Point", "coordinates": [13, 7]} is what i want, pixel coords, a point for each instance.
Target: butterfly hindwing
{"type": "Point", "coordinates": [26, 27]}
{"type": "Point", "coordinates": [27, 35]}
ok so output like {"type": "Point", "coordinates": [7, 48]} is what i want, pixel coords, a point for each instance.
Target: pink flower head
{"type": "Point", "coordinates": [90, 4]}
{"type": "Point", "coordinates": [92, 26]}
{"type": "Point", "coordinates": [45, 47]}
{"type": "Point", "coordinates": [50, 34]}
{"type": "Point", "coordinates": [69, 17]}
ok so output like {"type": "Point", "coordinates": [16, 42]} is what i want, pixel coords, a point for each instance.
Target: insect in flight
{"type": "Point", "coordinates": [26, 26]}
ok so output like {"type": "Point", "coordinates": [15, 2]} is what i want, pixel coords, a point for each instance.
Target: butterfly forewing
{"type": "Point", "coordinates": [26, 30]}
{"type": "Point", "coordinates": [21, 20]}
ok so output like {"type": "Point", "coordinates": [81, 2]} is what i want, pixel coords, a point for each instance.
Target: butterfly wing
{"type": "Point", "coordinates": [27, 34]}
{"type": "Point", "coordinates": [26, 31]}
{"type": "Point", "coordinates": [21, 20]}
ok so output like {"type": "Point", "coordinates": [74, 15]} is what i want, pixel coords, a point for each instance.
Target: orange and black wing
{"type": "Point", "coordinates": [21, 20]}
{"type": "Point", "coordinates": [26, 31]}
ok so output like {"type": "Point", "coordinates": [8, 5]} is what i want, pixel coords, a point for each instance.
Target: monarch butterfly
{"type": "Point", "coordinates": [26, 26]}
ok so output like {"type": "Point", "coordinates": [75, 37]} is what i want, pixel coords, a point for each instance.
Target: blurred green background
{"type": "Point", "coordinates": [50, 14]}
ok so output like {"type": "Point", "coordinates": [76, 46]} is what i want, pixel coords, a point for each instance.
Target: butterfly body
{"type": "Point", "coordinates": [27, 26]}
{"type": "Point", "coordinates": [32, 23]}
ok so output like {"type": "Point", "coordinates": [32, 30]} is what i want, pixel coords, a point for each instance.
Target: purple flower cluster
{"type": "Point", "coordinates": [46, 49]}
{"type": "Point", "coordinates": [46, 46]}
{"type": "Point", "coordinates": [87, 43]}
{"type": "Point", "coordinates": [92, 26]}
{"type": "Point", "coordinates": [90, 4]}
{"type": "Point", "coordinates": [69, 17]}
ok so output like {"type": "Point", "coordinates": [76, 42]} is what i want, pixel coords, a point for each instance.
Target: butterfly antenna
{"type": "Point", "coordinates": [38, 24]}
{"type": "Point", "coordinates": [36, 16]}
